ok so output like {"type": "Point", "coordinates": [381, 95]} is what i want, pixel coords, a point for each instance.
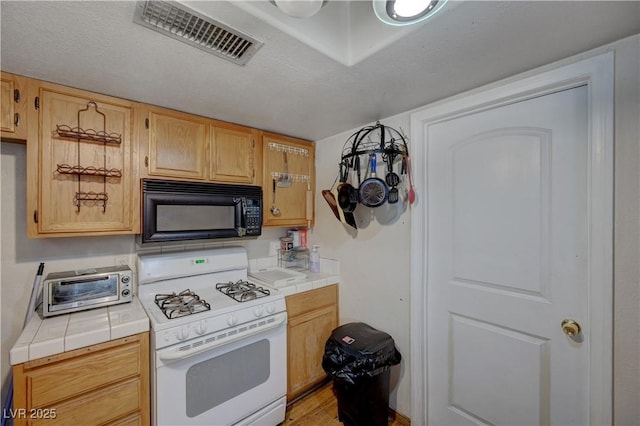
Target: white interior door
{"type": "Point", "coordinates": [508, 262]}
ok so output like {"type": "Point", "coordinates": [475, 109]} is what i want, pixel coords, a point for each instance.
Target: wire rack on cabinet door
{"type": "Point", "coordinates": [95, 136]}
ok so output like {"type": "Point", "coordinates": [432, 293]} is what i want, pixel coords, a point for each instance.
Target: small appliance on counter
{"type": "Point", "coordinates": [72, 291]}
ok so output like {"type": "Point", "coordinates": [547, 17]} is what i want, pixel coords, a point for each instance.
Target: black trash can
{"type": "Point", "coordinates": [358, 358]}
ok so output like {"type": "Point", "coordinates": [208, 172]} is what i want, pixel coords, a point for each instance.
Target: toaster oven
{"type": "Point", "coordinates": [71, 291]}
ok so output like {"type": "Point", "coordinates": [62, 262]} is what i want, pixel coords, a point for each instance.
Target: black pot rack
{"type": "Point", "coordinates": [386, 141]}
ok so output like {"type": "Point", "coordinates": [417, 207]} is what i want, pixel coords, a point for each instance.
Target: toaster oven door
{"type": "Point", "coordinates": [66, 295]}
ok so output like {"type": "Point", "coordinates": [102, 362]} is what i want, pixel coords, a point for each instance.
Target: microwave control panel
{"type": "Point", "coordinates": [254, 217]}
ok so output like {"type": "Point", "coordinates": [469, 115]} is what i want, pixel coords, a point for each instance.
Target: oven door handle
{"type": "Point", "coordinates": [186, 352]}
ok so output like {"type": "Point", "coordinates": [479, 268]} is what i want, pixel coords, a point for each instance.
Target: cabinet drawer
{"type": "Point", "coordinates": [82, 374]}
{"type": "Point", "coordinates": [301, 303]}
{"type": "Point", "coordinates": [98, 407]}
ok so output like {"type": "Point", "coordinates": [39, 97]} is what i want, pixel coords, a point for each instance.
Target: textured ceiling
{"type": "Point", "coordinates": [289, 87]}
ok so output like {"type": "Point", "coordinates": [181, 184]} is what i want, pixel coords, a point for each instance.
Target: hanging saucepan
{"type": "Point", "coordinates": [347, 194]}
{"type": "Point", "coordinates": [373, 191]}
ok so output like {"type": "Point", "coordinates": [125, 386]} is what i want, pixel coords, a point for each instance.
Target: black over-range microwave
{"type": "Point", "coordinates": [178, 210]}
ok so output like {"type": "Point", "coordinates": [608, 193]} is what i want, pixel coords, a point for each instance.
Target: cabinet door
{"type": "Point", "coordinates": [84, 184]}
{"type": "Point", "coordinates": [13, 101]}
{"type": "Point", "coordinates": [296, 158]}
{"type": "Point", "coordinates": [307, 335]}
{"type": "Point", "coordinates": [177, 145]}
{"type": "Point", "coordinates": [313, 315]}
{"type": "Point", "coordinates": [232, 154]}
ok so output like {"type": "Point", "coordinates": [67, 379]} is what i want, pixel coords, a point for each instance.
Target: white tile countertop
{"type": "Point", "coordinates": [329, 274]}
{"type": "Point", "coordinates": [54, 335]}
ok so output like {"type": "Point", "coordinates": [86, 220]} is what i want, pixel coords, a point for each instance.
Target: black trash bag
{"type": "Point", "coordinates": [357, 350]}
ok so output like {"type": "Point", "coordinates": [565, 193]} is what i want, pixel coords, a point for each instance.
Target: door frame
{"type": "Point", "coordinates": [597, 74]}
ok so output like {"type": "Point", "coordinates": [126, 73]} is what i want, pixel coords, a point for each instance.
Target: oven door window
{"type": "Point", "coordinates": [87, 291]}
{"type": "Point", "coordinates": [220, 379]}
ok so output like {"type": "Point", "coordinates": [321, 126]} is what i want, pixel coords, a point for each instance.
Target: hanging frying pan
{"type": "Point", "coordinates": [330, 196]}
{"type": "Point", "coordinates": [346, 218]}
{"type": "Point", "coordinates": [373, 191]}
{"type": "Point", "coordinates": [347, 194]}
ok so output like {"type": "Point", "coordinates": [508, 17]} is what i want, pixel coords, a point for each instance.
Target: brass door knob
{"type": "Point", "coordinates": [570, 327]}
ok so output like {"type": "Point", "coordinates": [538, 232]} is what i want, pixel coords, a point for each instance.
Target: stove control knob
{"type": "Point", "coordinates": [232, 320]}
{"type": "Point", "coordinates": [271, 308]}
{"type": "Point", "coordinates": [258, 312]}
{"type": "Point", "coordinates": [201, 328]}
{"type": "Point", "coordinates": [183, 333]}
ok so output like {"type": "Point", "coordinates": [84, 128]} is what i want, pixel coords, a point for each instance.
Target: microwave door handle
{"type": "Point", "coordinates": [242, 226]}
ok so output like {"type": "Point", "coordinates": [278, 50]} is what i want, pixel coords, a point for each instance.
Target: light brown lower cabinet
{"type": "Point", "coordinates": [103, 384]}
{"type": "Point", "coordinates": [313, 315]}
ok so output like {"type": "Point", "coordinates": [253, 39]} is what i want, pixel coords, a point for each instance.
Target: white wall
{"type": "Point", "coordinates": [375, 261]}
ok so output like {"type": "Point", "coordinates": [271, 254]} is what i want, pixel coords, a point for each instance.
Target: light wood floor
{"type": "Point", "coordinates": [321, 409]}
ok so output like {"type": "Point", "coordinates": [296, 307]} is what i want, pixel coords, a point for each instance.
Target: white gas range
{"type": "Point", "coordinates": [219, 341]}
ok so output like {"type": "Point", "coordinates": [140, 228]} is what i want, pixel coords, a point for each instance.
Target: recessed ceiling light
{"type": "Point", "coordinates": [299, 8]}
{"type": "Point", "coordinates": [406, 12]}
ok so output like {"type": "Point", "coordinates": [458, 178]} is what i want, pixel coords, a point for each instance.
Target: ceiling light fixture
{"type": "Point", "coordinates": [299, 8]}
{"type": "Point", "coordinates": [406, 12]}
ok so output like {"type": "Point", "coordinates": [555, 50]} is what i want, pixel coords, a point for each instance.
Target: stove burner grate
{"type": "Point", "coordinates": [242, 290]}
{"type": "Point", "coordinates": [182, 304]}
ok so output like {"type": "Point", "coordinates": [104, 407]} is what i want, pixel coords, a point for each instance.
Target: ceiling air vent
{"type": "Point", "coordinates": [177, 21]}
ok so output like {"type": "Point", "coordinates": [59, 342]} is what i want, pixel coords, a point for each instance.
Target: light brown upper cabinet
{"type": "Point", "coordinates": [177, 144]}
{"type": "Point", "coordinates": [190, 147]}
{"type": "Point", "coordinates": [288, 180]}
{"type": "Point", "coordinates": [13, 105]}
{"type": "Point", "coordinates": [81, 178]}
{"type": "Point", "coordinates": [233, 153]}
